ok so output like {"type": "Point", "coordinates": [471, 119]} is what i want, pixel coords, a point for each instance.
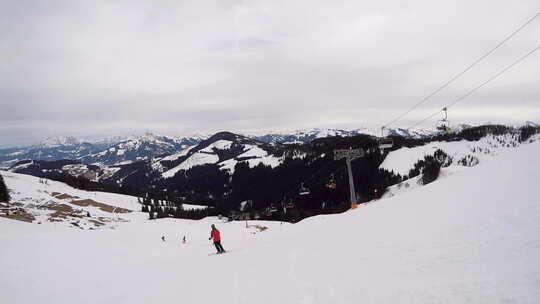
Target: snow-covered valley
{"type": "Point", "coordinates": [470, 237]}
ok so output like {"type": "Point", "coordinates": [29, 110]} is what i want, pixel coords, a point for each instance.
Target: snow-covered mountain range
{"type": "Point", "coordinates": [108, 151]}
{"type": "Point", "coordinates": [50, 149]}
{"type": "Point", "coordinates": [308, 135]}
{"type": "Point", "coordinates": [123, 150]}
{"type": "Point", "coordinates": [139, 148]}
{"type": "Point", "coordinates": [148, 160]}
{"type": "Point", "coordinates": [160, 157]}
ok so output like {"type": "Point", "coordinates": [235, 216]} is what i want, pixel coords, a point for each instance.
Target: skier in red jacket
{"type": "Point", "coordinates": [215, 236]}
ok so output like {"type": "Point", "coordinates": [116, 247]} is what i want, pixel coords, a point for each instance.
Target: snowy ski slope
{"type": "Point", "coordinates": [471, 237]}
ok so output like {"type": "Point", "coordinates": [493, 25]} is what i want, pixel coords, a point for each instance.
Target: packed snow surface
{"type": "Point", "coordinates": [471, 237]}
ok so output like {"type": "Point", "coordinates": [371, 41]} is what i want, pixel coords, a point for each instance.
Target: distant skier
{"type": "Point", "coordinates": [163, 238]}
{"type": "Point", "coordinates": [184, 239]}
{"type": "Point", "coordinates": [215, 236]}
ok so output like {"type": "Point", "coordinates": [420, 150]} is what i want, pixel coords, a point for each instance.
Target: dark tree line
{"type": "Point", "coordinates": [159, 208]}
{"type": "Point", "coordinates": [527, 132]}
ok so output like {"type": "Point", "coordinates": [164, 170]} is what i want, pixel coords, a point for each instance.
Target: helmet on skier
{"type": "Point", "coordinates": [213, 226]}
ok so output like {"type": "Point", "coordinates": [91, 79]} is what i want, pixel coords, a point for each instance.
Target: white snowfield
{"type": "Point", "coordinates": [199, 158]}
{"type": "Point", "coordinates": [179, 154]}
{"type": "Point", "coordinates": [196, 159]}
{"type": "Point", "coordinates": [218, 145]}
{"type": "Point", "coordinates": [207, 155]}
{"type": "Point", "coordinates": [260, 157]}
{"type": "Point", "coordinates": [472, 237]}
{"type": "Point", "coordinates": [256, 156]}
{"type": "Point", "coordinates": [403, 159]}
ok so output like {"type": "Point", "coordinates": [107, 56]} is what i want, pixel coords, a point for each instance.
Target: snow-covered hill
{"type": "Point", "coordinates": [47, 202]}
{"type": "Point", "coordinates": [472, 237]}
{"type": "Point", "coordinates": [224, 149]}
{"type": "Point", "coordinates": [463, 152]}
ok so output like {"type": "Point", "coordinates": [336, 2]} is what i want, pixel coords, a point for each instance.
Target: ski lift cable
{"type": "Point", "coordinates": [494, 76]}
{"type": "Point", "coordinates": [447, 83]}
{"type": "Point", "coordinates": [470, 92]}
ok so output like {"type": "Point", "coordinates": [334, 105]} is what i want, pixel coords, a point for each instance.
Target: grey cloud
{"type": "Point", "coordinates": [102, 67]}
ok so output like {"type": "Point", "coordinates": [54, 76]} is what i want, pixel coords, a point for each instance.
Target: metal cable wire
{"type": "Point", "coordinates": [447, 83]}
{"type": "Point", "coordinates": [470, 92]}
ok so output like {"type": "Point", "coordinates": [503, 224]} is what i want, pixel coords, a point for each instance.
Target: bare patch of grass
{"type": "Point", "coordinates": [18, 214]}
{"type": "Point", "coordinates": [62, 211]}
{"type": "Point", "coordinates": [101, 206]}
{"type": "Point", "coordinates": [63, 196]}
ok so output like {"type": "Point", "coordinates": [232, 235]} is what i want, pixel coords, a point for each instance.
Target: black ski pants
{"type": "Point", "coordinates": [219, 247]}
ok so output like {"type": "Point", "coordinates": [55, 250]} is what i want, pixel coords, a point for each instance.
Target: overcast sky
{"type": "Point", "coordinates": [103, 68]}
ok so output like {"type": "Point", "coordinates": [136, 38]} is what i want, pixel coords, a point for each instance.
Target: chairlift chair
{"type": "Point", "coordinates": [443, 124]}
{"type": "Point", "coordinates": [290, 204]}
{"type": "Point", "coordinates": [443, 127]}
{"type": "Point", "coordinates": [304, 190]}
{"type": "Point", "coordinates": [331, 183]}
{"type": "Point", "coordinates": [385, 142]}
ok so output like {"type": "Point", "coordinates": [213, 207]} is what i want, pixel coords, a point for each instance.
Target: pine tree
{"type": "Point", "coordinates": [431, 170]}
{"type": "Point", "coordinates": [4, 193]}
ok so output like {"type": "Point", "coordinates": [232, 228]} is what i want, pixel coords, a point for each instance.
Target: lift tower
{"type": "Point", "coordinates": [350, 155]}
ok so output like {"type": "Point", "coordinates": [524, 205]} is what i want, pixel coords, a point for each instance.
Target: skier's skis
{"type": "Point", "coordinates": [216, 253]}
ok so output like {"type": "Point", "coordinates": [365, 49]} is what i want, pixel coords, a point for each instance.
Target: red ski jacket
{"type": "Point", "coordinates": [215, 235]}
